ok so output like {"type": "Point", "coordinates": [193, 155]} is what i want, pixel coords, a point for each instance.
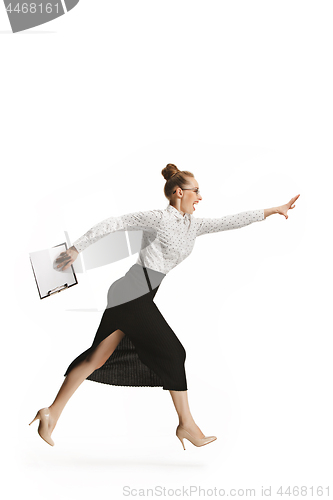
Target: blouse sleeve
{"type": "Point", "coordinates": [205, 226]}
{"type": "Point", "coordinates": [147, 221]}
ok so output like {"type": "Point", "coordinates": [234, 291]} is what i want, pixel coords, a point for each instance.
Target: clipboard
{"type": "Point", "coordinates": [50, 279]}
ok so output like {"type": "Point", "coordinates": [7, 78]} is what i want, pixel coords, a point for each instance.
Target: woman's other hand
{"type": "Point", "coordinates": [67, 258]}
{"type": "Point", "coordinates": [283, 209]}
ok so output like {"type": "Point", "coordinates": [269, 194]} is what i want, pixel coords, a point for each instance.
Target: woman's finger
{"type": "Point", "coordinates": [61, 258]}
{"type": "Point", "coordinates": [63, 263]}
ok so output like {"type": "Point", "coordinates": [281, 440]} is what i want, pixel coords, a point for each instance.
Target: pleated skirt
{"type": "Point", "coordinates": [150, 354]}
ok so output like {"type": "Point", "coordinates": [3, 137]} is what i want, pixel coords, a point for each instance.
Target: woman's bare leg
{"type": "Point", "coordinates": [80, 372]}
{"type": "Point", "coordinates": [186, 420]}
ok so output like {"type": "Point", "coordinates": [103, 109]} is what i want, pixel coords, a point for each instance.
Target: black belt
{"type": "Point", "coordinates": [147, 278]}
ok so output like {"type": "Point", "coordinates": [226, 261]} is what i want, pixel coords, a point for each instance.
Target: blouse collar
{"type": "Point", "coordinates": [176, 212]}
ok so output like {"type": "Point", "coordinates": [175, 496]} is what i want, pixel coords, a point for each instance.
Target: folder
{"type": "Point", "coordinates": [49, 278]}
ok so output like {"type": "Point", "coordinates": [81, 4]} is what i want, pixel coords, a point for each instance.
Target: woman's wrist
{"type": "Point", "coordinates": [270, 211]}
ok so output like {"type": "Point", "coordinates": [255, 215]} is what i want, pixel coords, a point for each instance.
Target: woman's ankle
{"type": "Point", "coordinates": [186, 421]}
{"type": "Point", "coordinates": [55, 412]}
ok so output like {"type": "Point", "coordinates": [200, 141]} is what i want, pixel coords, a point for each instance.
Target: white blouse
{"type": "Point", "coordinates": [168, 236]}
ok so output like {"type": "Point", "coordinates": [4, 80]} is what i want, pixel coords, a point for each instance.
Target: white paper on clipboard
{"type": "Point", "coordinates": [48, 278]}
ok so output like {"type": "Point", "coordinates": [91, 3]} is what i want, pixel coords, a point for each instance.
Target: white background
{"type": "Point", "coordinates": [93, 106]}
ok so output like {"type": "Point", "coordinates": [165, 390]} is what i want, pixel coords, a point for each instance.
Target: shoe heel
{"type": "Point", "coordinates": [36, 418]}
{"type": "Point", "coordinates": [182, 441]}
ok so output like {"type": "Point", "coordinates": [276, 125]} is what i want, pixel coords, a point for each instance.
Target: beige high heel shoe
{"type": "Point", "coordinates": [43, 429]}
{"type": "Point", "coordinates": [181, 433]}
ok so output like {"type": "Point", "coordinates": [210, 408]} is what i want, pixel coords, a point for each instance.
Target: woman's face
{"type": "Point", "coordinates": [190, 196]}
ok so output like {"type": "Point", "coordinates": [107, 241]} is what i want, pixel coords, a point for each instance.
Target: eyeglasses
{"type": "Point", "coordinates": [197, 191]}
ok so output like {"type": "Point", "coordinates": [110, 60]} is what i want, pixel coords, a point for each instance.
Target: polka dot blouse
{"type": "Point", "coordinates": [168, 236]}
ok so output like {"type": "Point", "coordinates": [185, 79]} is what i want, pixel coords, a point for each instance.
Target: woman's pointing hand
{"type": "Point", "coordinates": [283, 209]}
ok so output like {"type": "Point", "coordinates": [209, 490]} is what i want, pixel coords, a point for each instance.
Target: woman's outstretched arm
{"type": "Point", "coordinates": [227, 222]}
{"type": "Point", "coordinates": [242, 219]}
{"type": "Point", "coordinates": [135, 221]}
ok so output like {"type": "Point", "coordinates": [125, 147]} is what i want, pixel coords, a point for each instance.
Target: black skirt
{"type": "Point", "coordinates": [149, 354]}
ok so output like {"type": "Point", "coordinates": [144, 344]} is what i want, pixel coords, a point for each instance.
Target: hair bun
{"type": "Point", "coordinates": [169, 171]}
